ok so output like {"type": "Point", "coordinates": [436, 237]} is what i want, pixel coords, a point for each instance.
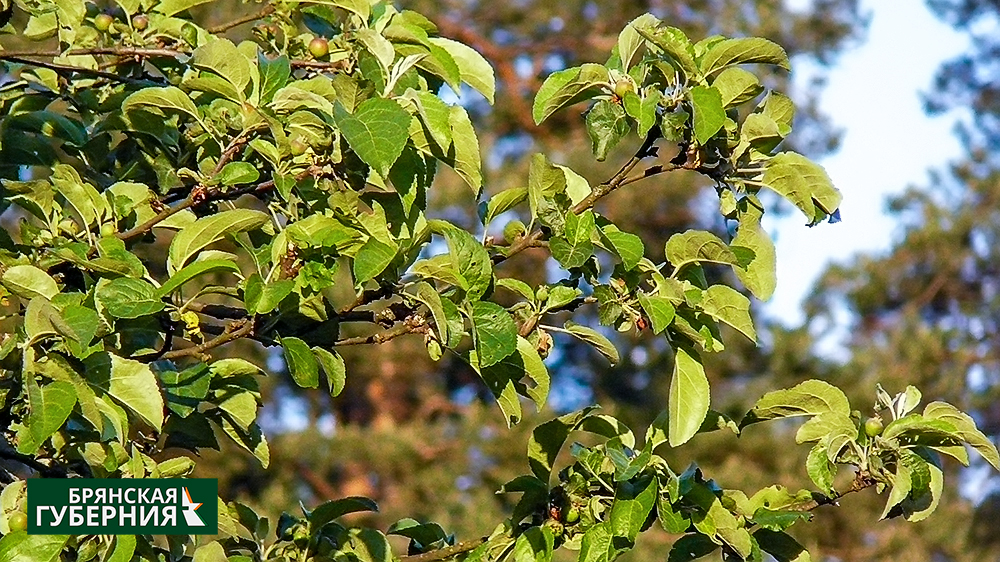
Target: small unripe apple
{"type": "Point", "coordinates": [103, 22]}
{"type": "Point", "coordinates": [140, 22]}
{"type": "Point", "coordinates": [108, 229]}
{"type": "Point", "coordinates": [319, 47]}
{"type": "Point", "coordinates": [623, 86]}
{"type": "Point", "coordinates": [572, 515]}
{"type": "Point", "coordinates": [17, 521]}
{"type": "Point", "coordinates": [298, 146]}
{"type": "Point", "coordinates": [873, 426]}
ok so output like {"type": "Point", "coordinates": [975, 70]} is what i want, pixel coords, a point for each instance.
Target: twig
{"type": "Point", "coordinates": [414, 323]}
{"type": "Point", "coordinates": [233, 331]}
{"type": "Point", "coordinates": [446, 552]}
{"type": "Point", "coordinates": [168, 340]}
{"type": "Point", "coordinates": [63, 69]}
{"type": "Point", "coordinates": [142, 52]}
{"type": "Point", "coordinates": [268, 10]}
{"type": "Point", "coordinates": [861, 481]}
{"type": "Point", "coordinates": [620, 178]}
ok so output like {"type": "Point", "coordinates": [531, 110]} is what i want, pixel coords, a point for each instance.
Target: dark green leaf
{"type": "Point", "coordinates": [781, 546]}
{"type": "Point", "coordinates": [335, 509]}
{"type": "Point", "coordinates": [377, 131]}
{"type": "Point", "coordinates": [494, 331]}
{"type": "Point", "coordinates": [575, 247]}
{"type": "Point", "coordinates": [691, 547]}
{"type": "Point", "coordinates": [129, 298]}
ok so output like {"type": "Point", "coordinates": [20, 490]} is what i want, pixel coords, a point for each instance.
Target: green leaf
{"type": "Point", "coordinates": [473, 68]}
{"type": "Point", "coordinates": [730, 306]}
{"type": "Point", "coordinates": [333, 366]}
{"type": "Point", "coordinates": [607, 125]}
{"type": "Point", "coordinates": [434, 115]}
{"type": "Point", "coordinates": [494, 331]}
{"type": "Point", "coordinates": [677, 47]}
{"type": "Point", "coordinates": [918, 509]}
{"type": "Point", "coordinates": [548, 438]}
{"type": "Point", "coordinates": [535, 544]}
{"type": "Point", "coordinates": [574, 248]}
{"type": "Point", "coordinates": [274, 75]}
{"type": "Point", "coordinates": [503, 202]}
{"type": "Point", "coordinates": [779, 520]}
{"type": "Point", "coordinates": [335, 509]}
{"type": "Point", "coordinates": [210, 552]}
{"type": "Point", "coordinates": [464, 155]}
{"type": "Point", "coordinates": [629, 40]}
{"type": "Point", "coordinates": [193, 270]}
{"type": "Point", "coordinates": [301, 363]}
{"type": "Point", "coordinates": [372, 259]}
{"type": "Point", "coordinates": [262, 299]}
{"type": "Point", "coordinates": [130, 382]}
{"type": "Point", "coordinates": [821, 471]}
{"type": "Point", "coordinates": [253, 440]}
{"type": "Point", "coordinates": [471, 261]}
{"type": "Point", "coordinates": [125, 297]}
{"type": "Point", "coordinates": [659, 310]}
{"type": "Point", "coordinates": [207, 230]}
{"type": "Point", "coordinates": [171, 7]}
{"type": "Point", "coordinates": [123, 549]}
{"type": "Point", "coordinates": [743, 50]}
{"type": "Point", "coordinates": [602, 344]}
{"type": "Point", "coordinates": [809, 398]}
{"type": "Point", "coordinates": [426, 294]}
{"type": "Point", "coordinates": [966, 427]}
{"type": "Point", "coordinates": [709, 114]}
{"type": "Point", "coordinates": [19, 546]}
{"type": "Point", "coordinates": [377, 131]}
{"type": "Point", "coordinates": [698, 246]}
{"type": "Point", "coordinates": [236, 173]}
{"type": "Point", "coordinates": [737, 86]}
{"type": "Point", "coordinates": [626, 245]}
{"type": "Point", "coordinates": [634, 500]}
{"type": "Point", "coordinates": [547, 196]}
{"type": "Point", "coordinates": [159, 101]}
{"type": "Point", "coordinates": [28, 282]}
{"type": "Point", "coordinates": [49, 407]}
{"type": "Point", "coordinates": [689, 397]}
{"type": "Point", "coordinates": [759, 274]}
{"type": "Point", "coordinates": [598, 544]}
{"type": "Point", "coordinates": [781, 546]}
{"type": "Point", "coordinates": [804, 183]}
{"type": "Point", "coordinates": [220, 56]}
{"type": "Point", "coordinates": [567, 87]}
{"type": "Point", "coordinates": [691, 547]}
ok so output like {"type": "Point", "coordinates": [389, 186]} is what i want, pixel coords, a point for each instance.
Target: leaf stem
{"type": "Point", "coordinates": [268, 10]}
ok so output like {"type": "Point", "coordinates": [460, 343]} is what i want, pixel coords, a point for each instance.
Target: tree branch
{"type": "Point", "coordinates": [66, 69]}
{"type": "Point", "coordinates": [446, 552]}
{"type": "Point", "coordinates": [234, 331]}
{"type": "Point", "coordinates": [413, 323]}
{"type": "Point", "coordinates": [141, 52]}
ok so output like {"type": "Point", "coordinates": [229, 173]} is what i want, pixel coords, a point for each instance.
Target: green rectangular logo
{"type": "Point", "coordinates": [82, 506]}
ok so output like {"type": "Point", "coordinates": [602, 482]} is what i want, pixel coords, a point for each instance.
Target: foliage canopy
{"type": "Point", "coordinates": [287, 168]}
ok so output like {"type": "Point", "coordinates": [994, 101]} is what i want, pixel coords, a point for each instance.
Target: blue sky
{"type": "Point", "coordinates": [873, 94]}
